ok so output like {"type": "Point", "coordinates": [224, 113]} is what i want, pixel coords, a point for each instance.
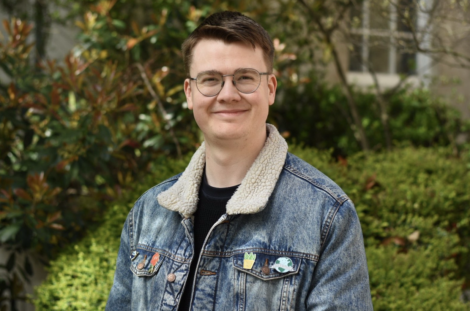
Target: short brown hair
{"type": "Point", "coordinates": [230, 27]}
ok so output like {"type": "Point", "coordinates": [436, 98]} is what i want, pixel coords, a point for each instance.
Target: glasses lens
{"type": "Point", "coordinates": [209, 83]}
{"type": "Point", "coordinates": [247, 80]}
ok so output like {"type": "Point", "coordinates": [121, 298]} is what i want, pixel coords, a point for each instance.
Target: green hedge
{"type": "Point", "coordinates": [414, 210]}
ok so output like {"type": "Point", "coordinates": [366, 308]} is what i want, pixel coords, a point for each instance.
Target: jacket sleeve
{"type": "Point", "coordinates": [341, 279]}
{"type": "Point", "coordinates": [121, 292]}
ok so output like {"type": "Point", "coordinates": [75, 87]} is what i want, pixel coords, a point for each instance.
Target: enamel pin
{"type": "Point", "coordinates": [283, 265]}
{"type": "Point", "coordinates": [154, 261]}
{"type": "Point", "coordinates": [134, 255]}
{"type": "Point", "coordinates": [249, 260]}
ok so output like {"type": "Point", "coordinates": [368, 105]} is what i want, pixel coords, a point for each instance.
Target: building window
{"type": "Point", "coordinates": [381, 37]}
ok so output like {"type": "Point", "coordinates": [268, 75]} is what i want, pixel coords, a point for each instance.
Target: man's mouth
{"type": "Point", "coordinates": [230, 112]}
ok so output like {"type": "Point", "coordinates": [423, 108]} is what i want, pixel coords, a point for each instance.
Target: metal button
{"type": "Point", "coordinates": [141, 265]}
{"type": "Point", "coordinates": [171, 277]}
{"type": "Point", "coordinates": [266, 270]}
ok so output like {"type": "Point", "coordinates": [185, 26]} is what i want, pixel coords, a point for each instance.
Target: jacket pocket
{"type": "Point", "coordinates": [145, 263]}
{"type": "Point", "coordinates": [267, 283]}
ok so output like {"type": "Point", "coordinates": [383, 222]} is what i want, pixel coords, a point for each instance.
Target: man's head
{"type": "Point", "coordinates": [230, 27]}
{"type": "Point", "coordinates": [230, 84]}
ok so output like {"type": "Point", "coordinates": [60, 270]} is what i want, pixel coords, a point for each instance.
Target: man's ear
{"type": "Point", "coordinates": [272, 86]}
{"type": "Point", "coordinates": [188, 93]}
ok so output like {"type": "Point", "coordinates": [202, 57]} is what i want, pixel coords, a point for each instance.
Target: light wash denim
{"type": "Point", "coordinates": [307, 218]}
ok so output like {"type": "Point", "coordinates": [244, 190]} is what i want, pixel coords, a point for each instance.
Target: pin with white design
{"type": "Point", "coordinates": [283, 265]}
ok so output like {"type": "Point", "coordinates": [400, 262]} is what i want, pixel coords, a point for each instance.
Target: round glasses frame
{"type": "Point", "coordinates": [233, 81]}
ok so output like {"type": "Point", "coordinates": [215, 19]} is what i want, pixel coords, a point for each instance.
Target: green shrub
{"type": "Point", "coordinates": [316, 114]}
{"type": "Point", "coordinates": [81, 277]}
{"type": "Point", "coordinates": [418, 280]}
{"type": "Point", "coordinates": [76, 134]}
{"type": "Point", "coordinates": [413, 206]}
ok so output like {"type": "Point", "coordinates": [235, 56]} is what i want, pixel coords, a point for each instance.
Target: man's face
{"type": "Point", "coordinates": [230, 114]}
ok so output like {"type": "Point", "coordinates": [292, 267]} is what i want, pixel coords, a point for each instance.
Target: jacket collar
{"type": "Point", "coordinates": [253, 193]}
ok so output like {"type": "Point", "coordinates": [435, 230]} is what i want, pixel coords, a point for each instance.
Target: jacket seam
{"type": "Point", "coordinates": [163, 253]}
{"type": "Point", "coordinates": [131, 214]}
{"type": "Point", "coordinates": [338, 198]}
{"type": "Point", "coordinates": [219, 269]}
{"type": "Point", "coordinates": [262, 251]}
{"type": "Point", "coordinates": [329, 221]}
{"type": "Point", "coordinates": [130, 231]}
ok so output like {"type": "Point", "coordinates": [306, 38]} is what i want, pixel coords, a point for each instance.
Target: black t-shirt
{"type": "Point", "coordinates": [211, 206]}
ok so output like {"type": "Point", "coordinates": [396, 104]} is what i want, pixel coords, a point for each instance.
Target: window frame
{"type": "Point", "coordinates": [423, 62]}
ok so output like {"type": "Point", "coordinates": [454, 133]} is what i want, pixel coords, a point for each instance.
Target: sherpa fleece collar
{"type": "Point", "coordinates": [253, 193]}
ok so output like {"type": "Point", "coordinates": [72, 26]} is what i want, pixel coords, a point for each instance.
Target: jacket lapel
{"type": "Point", "coordinates": [253, 193]}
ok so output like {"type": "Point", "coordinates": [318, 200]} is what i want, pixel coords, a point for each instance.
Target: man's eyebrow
{"type": "Point", "coordinates": [216, 71]}
{"type": "Point", "coordinates": [211, 71]}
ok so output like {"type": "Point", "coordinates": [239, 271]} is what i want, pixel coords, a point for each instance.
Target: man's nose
{"type": "Point", "coordinates": [229, 91]}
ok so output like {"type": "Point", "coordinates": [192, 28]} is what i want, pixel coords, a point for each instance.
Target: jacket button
{"type": "Point", "coordinates": [171, 277]}
{"type": "Point", "coordinates": [266, 270]}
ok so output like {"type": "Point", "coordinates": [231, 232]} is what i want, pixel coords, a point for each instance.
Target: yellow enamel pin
{"type": "Point", "coordinates": [249, 260]}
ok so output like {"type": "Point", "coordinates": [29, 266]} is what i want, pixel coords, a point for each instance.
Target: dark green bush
{"type": "Point", "coordinates": [413, 205]}
{"type": "Point", "coordinates": [73, 134]}
{"type": "Point", "coordinates": [80, 279]}
{"type": "Point", "coordinates": [316, 114]}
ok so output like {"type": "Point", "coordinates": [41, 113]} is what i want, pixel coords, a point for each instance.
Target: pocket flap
{"type": "Point", "coordinates": [266, 266]}
{"type": "Point", "coordinates": [146, 263]}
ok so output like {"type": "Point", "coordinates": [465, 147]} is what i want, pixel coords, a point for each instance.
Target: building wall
{"type": "Point", "coordinates": [452, 79]}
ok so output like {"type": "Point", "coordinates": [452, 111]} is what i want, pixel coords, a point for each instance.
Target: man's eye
{"type": "Point", "coordinates": [210, 80]}
{"type": "Point", "coordinates": [245, 78]}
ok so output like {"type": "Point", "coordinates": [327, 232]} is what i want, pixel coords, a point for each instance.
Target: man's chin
{"type": "Point", "coordinates": [229, 136]}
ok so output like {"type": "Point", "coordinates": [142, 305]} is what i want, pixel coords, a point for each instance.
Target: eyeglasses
{"type": "Point", "coordinates": [246, 80]}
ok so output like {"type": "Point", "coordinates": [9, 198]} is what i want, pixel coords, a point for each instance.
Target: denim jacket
{"type": "Point", "coordinates": [284, 211]}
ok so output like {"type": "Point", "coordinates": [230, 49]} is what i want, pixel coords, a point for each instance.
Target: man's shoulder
{"type": "Point", "coordinates": [318, 181]}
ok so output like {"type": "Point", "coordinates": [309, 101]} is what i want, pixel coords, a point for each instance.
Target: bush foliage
{"type": "Point", "coordinates": [72, 134]}
{"type": "Point", "coordinates": [314, 114]}
{"type": "Point", "coordinates": [413, 210]}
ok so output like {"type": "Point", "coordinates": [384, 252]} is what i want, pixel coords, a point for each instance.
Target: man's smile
{"type": "Point", "coordinates": [230, 112]}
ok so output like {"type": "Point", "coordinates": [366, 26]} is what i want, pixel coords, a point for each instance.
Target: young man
{"type": "Point", "coordinates": [247, 226]}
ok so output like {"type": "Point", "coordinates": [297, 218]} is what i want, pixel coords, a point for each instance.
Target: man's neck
{"type": "Point", "coordinates": [228, 162]}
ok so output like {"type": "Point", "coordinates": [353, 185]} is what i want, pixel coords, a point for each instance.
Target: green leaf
{"type": "Point", "coordinates": [118, 23]}
{"type": "Point", "coordinates": [154, 142]}
{"type": "Point", "coordinates": [104, 133]}
{"type": "Point", "coordinates": [9, 232]}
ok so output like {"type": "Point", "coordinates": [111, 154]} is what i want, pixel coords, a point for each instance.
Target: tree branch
{"type": "Point", "coordinates": [154, 95]}
{"type": "Point", "coordinates": [359, 129]}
